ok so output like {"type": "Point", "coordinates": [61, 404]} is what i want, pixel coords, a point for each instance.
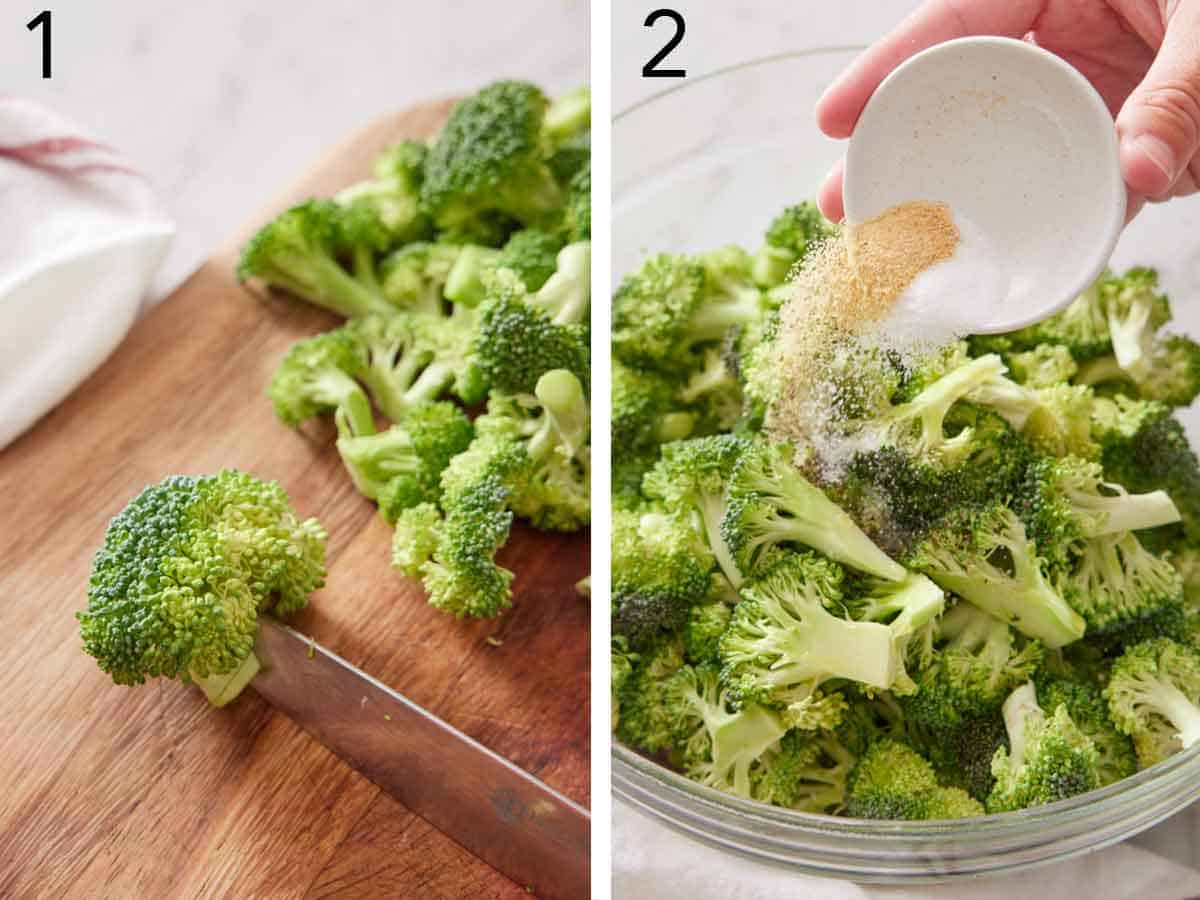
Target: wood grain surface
{"type": "Point", "coordinates": [112, 792]}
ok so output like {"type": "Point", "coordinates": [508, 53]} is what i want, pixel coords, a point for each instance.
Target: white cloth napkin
{"type": "Point", "coordinates": [651, 860]}
{"type": "Point", "coordinates": [81, 235]}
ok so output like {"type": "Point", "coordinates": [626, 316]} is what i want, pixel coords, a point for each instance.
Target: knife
{"type": "Point", "coordinates": [505, 816]}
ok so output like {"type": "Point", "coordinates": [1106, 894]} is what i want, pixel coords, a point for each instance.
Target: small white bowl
{"type": "Point", "coordinates": [1019, 144]}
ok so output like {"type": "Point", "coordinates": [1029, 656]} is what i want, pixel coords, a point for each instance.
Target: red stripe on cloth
{"type": "Point", "coordinates": [52, 147]}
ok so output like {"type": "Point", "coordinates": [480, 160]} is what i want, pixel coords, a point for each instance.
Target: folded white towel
{"type": "Point", "coordinates": [81, 235]}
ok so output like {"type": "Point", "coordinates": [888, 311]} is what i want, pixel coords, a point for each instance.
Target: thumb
{"type": "Point", "coordinates": [1159, 124]}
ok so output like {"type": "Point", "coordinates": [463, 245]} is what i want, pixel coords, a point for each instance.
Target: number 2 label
{"type": "Point", "coordinates": [650, 69]}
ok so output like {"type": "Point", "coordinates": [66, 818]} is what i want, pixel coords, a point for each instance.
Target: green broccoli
{"type": "Point", "coordinates": [1153, 696]}
{"type": "Point", "coordinates": [771, 503]}
{"type": "Point", "coordinates": [893, 781]}
{"type": "Point", "coordinates": [673, 304]}
{"type": "Point", "coordinates": [1050, 757]}
{"type": "Point", "coordinates": [418, 529]}
{"type": "Point", "coordinates": [720, 745]}
{"type": "Point", "coordinates": [806, 772]}
{"type": "Point", "coordinates": [402, 466]}
{"type": "Point", "coordinates": [1157, 457]}
{"type": "Point", "coordinates": [645, 411]}
{"type": "Point", "coordinates": [788, 239]}
{"type": "Point", "coordinates": [516, 341]}
{"type": "Point", "coordinates": [783, 643]}
{"type": "Point", "coordinates": [976, 663]}
{"type": "Point", "coordinates": [568, 115]}
{"type": "Point", "coordinates": [413, 278]}
{"type": "Point", "coordinates": [551, 430]}
{"type": "Point", "coordinates": [690, 477]}
{"type": "Point", "coordinates": [297, 251]}
{"type": "Point", "coordinates": [577, 208]}
{"type": "Point", "coordinates": [411, 359]}
{"type": "Point", "coordinates": [393, 196]}
{"type": "Point", "coordinates": [985, 557]}
{"type": "Point", "coordinates": [644, 716]}
{"type": "Point", "coordinates": [1085, 704]}
{"type": "Point", "coordinates": [660, 569]}
{"type": "Point", "coordinates": [184, 572]}
{"type": "Point", "coordinates": [491, 158]}
{"type": "Point", "coordinates": [1046, 365]}
{"type": "Point", "coordinates": [318, 375]}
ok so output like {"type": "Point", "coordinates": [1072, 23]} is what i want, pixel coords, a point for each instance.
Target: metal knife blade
{"type": "Point", "coordinates": [505, 816]}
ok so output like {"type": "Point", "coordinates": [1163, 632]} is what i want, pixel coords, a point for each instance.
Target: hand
{"type": "Point", "coordinates": [1142, 56]}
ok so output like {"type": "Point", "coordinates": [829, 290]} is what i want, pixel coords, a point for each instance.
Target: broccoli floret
{"type": "Point", "coordinates": [1063, 501]}
{"type": "Point", "coordinates": [533, 255]}
{"type": "Point", "coordinates": [1116, 584]}
{"type": "Point", "coordinates": [645, 718]}
{"type": "Point", "coordinates": [644, 411]}
{"type": "Point", "coordinates": [462, 577]}
{"type": "Point", "coordinates": [551, 429]}
{"type": "Point", "coordinates": [392, 196]}
{"type": "Point", "coordinates": [1135, 312]}
{"type": "Point", "coordinates": [413, 278]}
{"type": "Point", "coordinates": [1050, 757]}
{"type": "Point", "coordinates": [690, 477]}
{"type": "Point", "coordinates": [1046, 365]}
{"type": "Point", "coordinates": [672, 304]}
{"type": "Point", "coordinates": [184, 572]}
{"type": "Point", "coordinates": [402, 466]}
{"type": "Point", "coordinates": [718, 744]}
{"type": "Point", "coordinates": [491, 157]}
{"type": "Point", "coordinates": [1085, 704]}
{"type": "Point", "coordinates": [977, 661]}
{"type": "Point", "coordinates": [706, 621]}
{"type": "Point", "coordinates": [1153, 696]}
{"type": "Point", "coordinates": [1157, 457]}
{"type": "Point", "coordinates": [577, 209]}
{"type": "Point", "coordinates": [712, 395]}
{"type": "Point", "coordinates": [297, 252]}
{"type": "Point", "coordinates": [783, 643]}
{"type": "Point", "coordinates": [660, 568]}
{"type": "Point", "coordinates": [771, 503]}
{"type": "Point", "coordinates": [788, 239]}
{"type": "Point", "coordinates": [985, 557]}
{"type": "Point", "coordinates": [807, 772]}
{"type": "Point", "coordinates": [318, 376]}
{"type": "Point", "coordinates": [893, 781]}
{"type": "Point", "coordinates": [410, 359]}
{"type": "Point", "coordinates": [415, 540]}
{"type": "Point", "coordinates": [517, 341]}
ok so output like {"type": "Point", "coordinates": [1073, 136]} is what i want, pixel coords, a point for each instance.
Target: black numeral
{"type": "Point", "coordinates": [650, 69]}
{"type": "Point", "coordinates": [42, 21]}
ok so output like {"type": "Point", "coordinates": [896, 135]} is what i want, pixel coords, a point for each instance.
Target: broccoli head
{"type": "Point", "coordinates": [184, 572]}
{"type": "Point", "coordinates": [893, 781]}
{"type": "Point", "coordinates": [318, 375]}
{"type": "Point", "coordinates": [1153, 696]}
{"type": "Point", "coordinates": [491, 158]}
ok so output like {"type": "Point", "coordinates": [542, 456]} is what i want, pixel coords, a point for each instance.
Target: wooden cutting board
{"type": "Point", "coordinates": [152, 793]}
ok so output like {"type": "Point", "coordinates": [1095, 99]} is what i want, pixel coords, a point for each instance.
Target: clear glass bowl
{"type": "Point", "coordinates": [709, 163]}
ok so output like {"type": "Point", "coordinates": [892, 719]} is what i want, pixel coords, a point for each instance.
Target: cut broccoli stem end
{"type": "Point", "coordinates": [1177, 709]}
{"type": "Point", "coordinates": [1128, 512]}
{"type": "Point", "coordinates": [222, 688]}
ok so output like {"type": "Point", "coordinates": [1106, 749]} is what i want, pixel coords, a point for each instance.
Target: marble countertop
{"type": "Point", "coordinates": [222, 104]}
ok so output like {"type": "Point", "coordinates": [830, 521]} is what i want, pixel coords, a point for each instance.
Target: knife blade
{"type": "Point", "coordinates": [511, 820]}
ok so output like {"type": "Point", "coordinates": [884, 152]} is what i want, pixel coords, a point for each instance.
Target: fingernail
{"type": "Point", "coordinates": [1157, 151]}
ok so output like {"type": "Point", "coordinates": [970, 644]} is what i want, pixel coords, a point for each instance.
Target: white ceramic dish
{"type": "Point", "coordinates": [1019, 145]}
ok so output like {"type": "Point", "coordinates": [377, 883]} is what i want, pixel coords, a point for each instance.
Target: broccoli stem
{"type": "Point", "coordinates": [1102, 368]}
{"type": "Point", "coordinates": [713, 320]}
{"type": "Point", "coordinates": [323, 282]}
{"type": "Point", "coordinates": [1020, 710]}
{"type": "Point", "coordinates": [1177, 709]}
{"type": "Point", "coordinates": [358, 413]}
{"type": "Point", "coordinates": [1127, 512]}
{"type": "Point", "coordinates": [222, 688]}
{"type": "Point", "coordinates": [712, 510]}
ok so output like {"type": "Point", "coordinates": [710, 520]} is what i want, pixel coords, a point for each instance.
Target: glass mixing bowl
{"type": "Point", "coordinates": [709, 163]}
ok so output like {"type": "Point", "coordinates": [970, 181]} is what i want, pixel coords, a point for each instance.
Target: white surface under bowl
{"type": "Point", "coordinates": [1020, 146]}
